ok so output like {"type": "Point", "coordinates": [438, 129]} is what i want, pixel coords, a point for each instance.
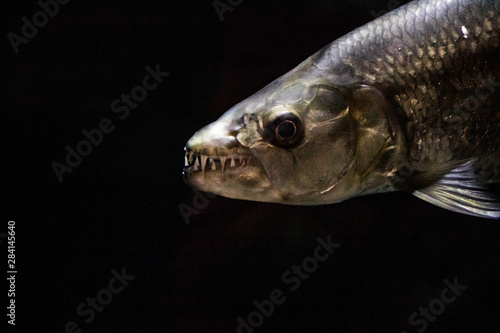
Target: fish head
{"type": "Point", "coordinates": [294, 143]}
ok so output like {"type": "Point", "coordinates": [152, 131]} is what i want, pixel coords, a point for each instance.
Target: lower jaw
{"type": "Point", "coordinates": [249, 183]}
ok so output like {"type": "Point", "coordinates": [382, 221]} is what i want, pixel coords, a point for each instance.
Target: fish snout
{"type": "Point", "coordinates": [212, 139]}
{"type": "Point", "coordinates": [214, 148]}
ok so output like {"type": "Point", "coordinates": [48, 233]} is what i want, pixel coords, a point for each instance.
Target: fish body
{"type": "Point", "coordinates": [409, 101]}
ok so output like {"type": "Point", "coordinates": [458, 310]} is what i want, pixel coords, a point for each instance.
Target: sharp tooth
{"type": "Point", "coordinates": [242, 162]}
{"type": "Point", "coordinates": [203, 163]}
{"type": "Point", "coordinates": [196, 166]}
{"type": "Point", "coordinates": [186, 161]}
{"type": "Point", "coordinates": [214, 167]}
{"type": "Point", "coordinates": [190, 159]}
{"type": "Point", "coordinates": [223, 162]}
{"type": "Point", "coordinates": [232, 163]}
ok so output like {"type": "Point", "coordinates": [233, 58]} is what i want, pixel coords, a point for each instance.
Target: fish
{"type": "Point", "coordinates": [407, 102]}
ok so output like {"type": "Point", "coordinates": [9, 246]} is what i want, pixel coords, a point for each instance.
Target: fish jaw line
{"type": "Point", "coordinates": [233, 174]}
{"type": "Point", "coordinates": [211, 161]}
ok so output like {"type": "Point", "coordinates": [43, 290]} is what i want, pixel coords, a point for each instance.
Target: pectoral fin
{"type": "Point", "coordinates": [459, 190]}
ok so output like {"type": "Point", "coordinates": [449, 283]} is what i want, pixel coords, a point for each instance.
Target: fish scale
{"type": "Point", "coordinates": [416, 81]}
{"type": "Point", "coordinates": [431, 74]}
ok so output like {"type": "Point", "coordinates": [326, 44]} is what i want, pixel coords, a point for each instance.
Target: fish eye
{"type": "Point", "coordinates": [284, 128]}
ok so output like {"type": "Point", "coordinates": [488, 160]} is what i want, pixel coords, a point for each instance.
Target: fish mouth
{"type": "Point", "coordinates": [234, 173]}
{"type": "Point", "coordinates": [200, 162]}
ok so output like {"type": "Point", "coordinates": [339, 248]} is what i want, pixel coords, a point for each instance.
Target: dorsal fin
{"type": "Point", "coordinates": [459, 190]}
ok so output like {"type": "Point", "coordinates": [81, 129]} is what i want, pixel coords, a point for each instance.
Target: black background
{"type": "Point", "coordinates": [120, 207]}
